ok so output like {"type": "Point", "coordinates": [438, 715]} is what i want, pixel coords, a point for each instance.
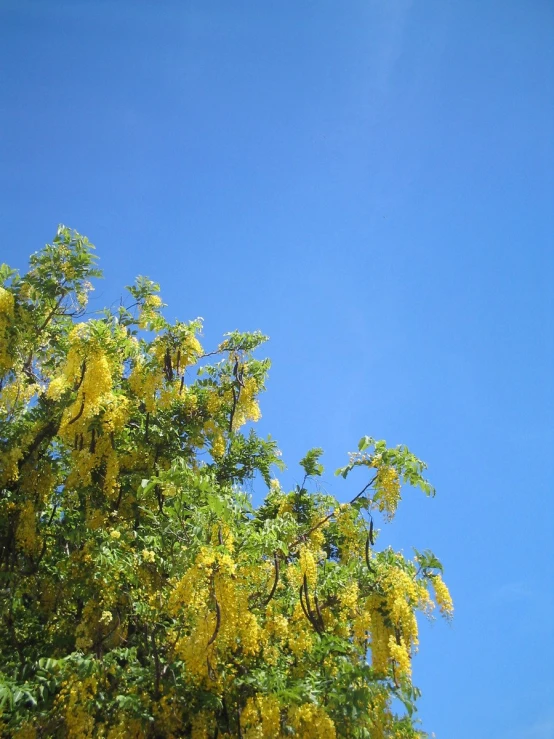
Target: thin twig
{"type": "Point", "coordinates": [217, 622]}
{"type": "Point", "coordinates": [275, 581]}
{"type": "Point", "coordinates": [303, 536]}
{"type": "Point", "coordinates": [80, 413]}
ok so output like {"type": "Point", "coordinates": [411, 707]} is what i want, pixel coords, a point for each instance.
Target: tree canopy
{"type": "Point", "coordinates": [141, 592]}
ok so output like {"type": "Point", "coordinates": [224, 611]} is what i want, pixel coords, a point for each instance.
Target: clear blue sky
{"type": "Point", "coordinates": [371, 184]}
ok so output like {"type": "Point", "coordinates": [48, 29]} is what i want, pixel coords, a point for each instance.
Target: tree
{"type": "Point", "coordinates": [141, 593]}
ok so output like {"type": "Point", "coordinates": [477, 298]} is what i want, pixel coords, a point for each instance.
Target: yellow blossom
{"type": "Point", "coordinates": [442, 596]}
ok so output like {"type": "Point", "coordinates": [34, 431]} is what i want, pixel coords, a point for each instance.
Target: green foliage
{"type": "Point", "coordinates": [310, 463]}
{"type": "Point", "coordinates": [141, 592]}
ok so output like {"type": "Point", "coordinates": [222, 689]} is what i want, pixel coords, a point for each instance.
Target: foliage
{"type": "Point", "coordinates": [141, 594]}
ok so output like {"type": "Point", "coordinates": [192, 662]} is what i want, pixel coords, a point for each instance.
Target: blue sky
{"type": "Point", "coordinates": [371, 184]}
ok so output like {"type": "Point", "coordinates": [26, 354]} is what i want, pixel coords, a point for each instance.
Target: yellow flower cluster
{"type": "Point", "coordinates": [443, 597]}
{"type": "Point", "coordinates": [308, 565]}
{"type": "Point", "coordinates": [247, 407]}
{"type": "Point", "coordinates": [37, 480]}
{"type": "Point", "coordinates": [16, 394]}
{"type": "Point", "coordinates": [153, 301]}
{"type": "Point", "coordinates": [9, 465]}
{"type": "Point", "coordinates": [214, 401]}
{"type": "Point", "coordinates": [145, 382]}
{"type": "Point", "coordinates": [348, 597]}
{"type": "Point", "coordinates": [387, 491]}
{"type": "Point", "coordinates": [126, 728]}
{"type": "Point", "coordinates": [181, 354]}
{"type": "Point", "coordinates": [350, 531]}
{"type": "Point", "coordinates": [312, 722]}
{"type": "Point", "coordinates": [25, 731]}
{"type": "Point", "coordinates": [117, 479]}
{"type": "Point", "coordinates": [403, 595]}
{"type": "Point", "coordinates": [261, 718]}
{"type": "Point", "coordinates": [301, 634]}
{"type": "Point", "coordinates": [202, 725]}
{"type": "Point", "coordinates": [191, 349]}
{"type": "Point", "coordinates": [379, 632]}
{"type": "Point", "coordinates": [400, 654]}
{"type": "Point", "coordinates": [73, 701]}
{"type": "Point", "coordinates": [26, 533]}
{"type": "Point", "coordinates": [217, 438]}
{"type": "Point", "coordinates": [149, 310]}
{"type": "Point", "coordinates": [6, 319]}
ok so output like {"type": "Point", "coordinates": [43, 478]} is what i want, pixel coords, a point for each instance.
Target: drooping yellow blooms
{"type": "Point", "coordinates": [149, 310]}
{"type": "Point", "coordinates": [73, 701]}
{"type": "Point", "coordinates": [443, 597]}
{"type": "Point", "coordinates": [217, 438]}
{"type": "Point", "coordinates": [308, 566]}
{"type": "Point", "coordinates": [271, 716]}
{"type": "Point", "coordinates": [402, 598]}
{"type": "Point", "coordinates": [126, 728]}
{"type": "Point", "coordinates": [26, 731]}
{"type": "Point", "coordinates": [201, 725]}
{"type": "Point", "coordinates": [286, 504]}
{"type": "Point", "coordinates": [26, 532]}
{"type": "Point", "coordinates": [387, 491]}
{"type": "Point", "coordinates": [9, 465]}
{"type": "Point", "coordinates": [218, 445]}
{"type": "Point", "coordinates": [400, 654]}
{"type": "Point", "coordinates": [145, 382]}
{"type": "Point", "coordinates": [6, 318]}
{"type": "Point", "coordinates": [153, 301]}
{"type": "Point", "coordinates": [191, 349]}
{"type": "Point", "coordinates": [57, 387]}
{"type": "Point", "coordinates": [194, 649]}
{"type": "Point", "coordinates": [361, 626]}
{"type": "Point", "coordinates": [311, 722]}
{"type": "Point", "coordinates": [380, 634]}
{"type": "Point", "coordinates": [37, 480]}
{"type": "Point", "coordinates": [106, 617]}
{"type": "Point", "coordinates": [317, 538]}
{"type": "Point", "coordinates": [301, 634]}
{"type": "Point", "coordinates": [261, 718]}
{"type": "Point", "coordinates": [116, 413]}
{"type": "Point", "coordinates": [167, 714]}
{"type": "Point", "coordinates": [17, 393]}
{"type": "Point", "coordinates": [348, 526]}
{"type": "Point", "coordinates": [425, 603]}
{"type": "Point", "coordinates": [247, 407]}
{"type": "Point", "coordinates": [214, 402]}
{"type": "Point", "coordinates": [380, 716]}
{"type": "Point", "coordinates": [168, 604]}
{"type": "Point", "coordinates": [111, 477]}
{"type": "Point", "coordinates": [348, 597]}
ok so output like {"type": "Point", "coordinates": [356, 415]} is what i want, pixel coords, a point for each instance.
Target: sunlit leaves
{"type": "Point", "coordinates": [141, 592]}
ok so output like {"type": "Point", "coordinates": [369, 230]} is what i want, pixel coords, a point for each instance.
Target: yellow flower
{"type": "Point", "coordinates": [399, 653]}
{"type": "Point", "coordinates": [387, 491]}
{"type": "Point", "coordinates": [308, 565]}
{"type": "Point", "coordinates": [442, 596]}
{"type": "Point", "coordinates": [115, 534]}
{"type": "Point", "coordinates": [6, 303]}
{"type": "Point", "coordinates": [312, 722]}
{"type": "Point", "coordinates": [153, 301]}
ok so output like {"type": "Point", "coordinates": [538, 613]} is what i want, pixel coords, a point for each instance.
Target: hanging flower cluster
{"type": "Point", "coordinates": [142, 593]}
